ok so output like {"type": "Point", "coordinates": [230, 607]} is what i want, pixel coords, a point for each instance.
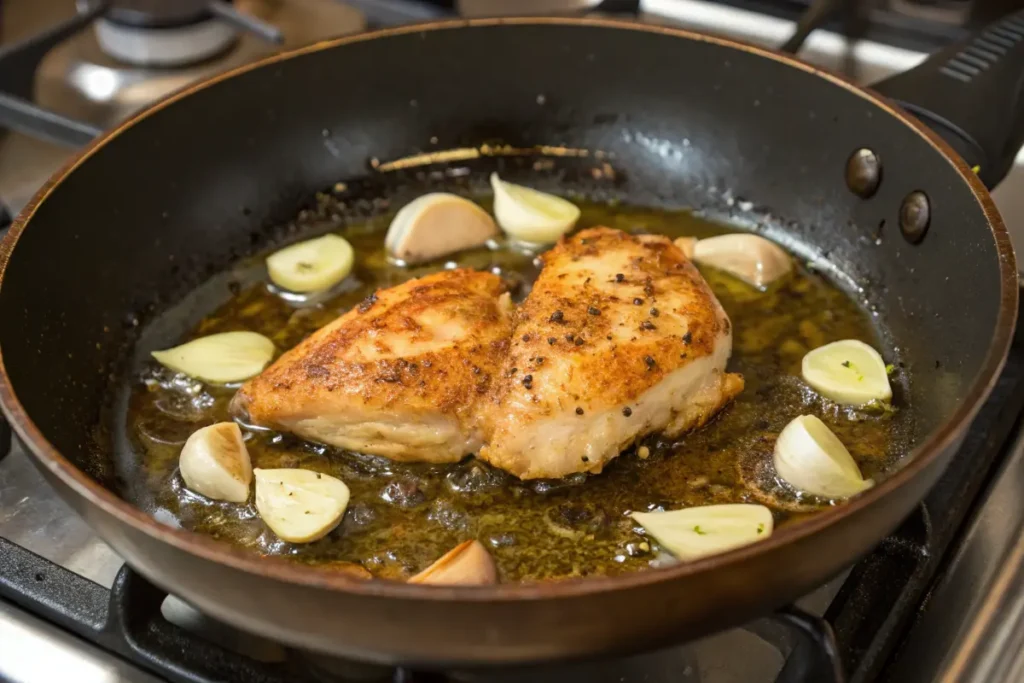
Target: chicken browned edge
{"type": "Point", "coordinates": [399, 375]}
{"type": "Point", "coordinates": [619, 337]}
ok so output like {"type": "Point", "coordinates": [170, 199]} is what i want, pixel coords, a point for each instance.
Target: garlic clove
{"type": "Point", "coordinates": [467, 564]}
{"type": "Point", "coordinates": [529, 215]}
{"type": "Point", "coordinates": [687, 245]}
{"type": "Point", "coordinates": [313, 265]}
{"type": "Point", "coordinates": [751, 258]}
{"type": "Point", "coordinates": [220, 358]}
{"type": "Point", "coordinates": [849, 372]}
{"type": "Point", "coordinates": [693, 533]}
{"type": "Point", "coordinates": [214, 462]}
{"type": "Point", "coordinates": [813, 460]}
{"type": "Point", "coordinates": [300, 506]}
{"type": "Point", "coordinates": [436, 225]}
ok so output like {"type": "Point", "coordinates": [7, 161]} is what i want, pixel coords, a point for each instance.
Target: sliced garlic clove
{"type": "Point", "coordinates": [693, 533]}
{"type": "Point", "coordinates": [813, 460]}
{"type": "Point", "coordinates": [848, 372]}
{"type": "Point", "coordinates": [313, 265]}
{"type": "Point", "coordinates": [687, 245]}
{"type": "Point", "coordinates": [529, 215]}
{"type": "Point", "coordinates": [220, 358]}
{"type": "Point", "coordinates": [467, 564]}
{"type": "Point", "coordinates": [751, 258]}
{"type": "Point", "coordinates": [214, 462]}
{"type": "Point", "coordinates": [436, 225]}
{"type": "Point", "coordinates": [299, 505]}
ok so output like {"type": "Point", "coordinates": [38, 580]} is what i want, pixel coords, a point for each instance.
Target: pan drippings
{"type": "Point", "coordinates": [402, 517]}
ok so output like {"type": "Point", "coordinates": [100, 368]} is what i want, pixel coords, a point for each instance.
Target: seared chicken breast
{"type": "Point", "coordinates": [400, 375]}
{"type": "Point", "coordinates": [620, 337]}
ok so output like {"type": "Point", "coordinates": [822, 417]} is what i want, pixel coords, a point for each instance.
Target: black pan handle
{"type": "Point", "coordinates": [972, 94]}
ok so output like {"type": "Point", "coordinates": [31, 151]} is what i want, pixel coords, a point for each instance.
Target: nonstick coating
{"type": "Point", "coordinates": [180, 192]}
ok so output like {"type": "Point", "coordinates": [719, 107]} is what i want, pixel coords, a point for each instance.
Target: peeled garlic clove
{"type": "Point", "coordinates": [687, 245]}
{"type": "Point", "coordinates": [311, 266]}
{"type": "Point", "coordinates": [813, 460]}
{"type": "Point", "coordinates": [848, 372]}
{"type": "Point", "coordinates": [693, 533]}
{"type": "Point", "coordinates": [299, 505]}
{"type": "Point", "coordinates": [220, 358]}
{"type": "Point", "coordinates": [215, 463]}
{"type": "Point", "coordinates": [751, 258]}
{"type": "Point", "coordinates": [529, 215]}
{"type": "Point", "coordinates": [436, 225]}
{"type": "Point", "coordinates": [467, 564]}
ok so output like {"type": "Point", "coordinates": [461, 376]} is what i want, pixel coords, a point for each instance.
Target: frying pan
{"type": "Point", "coordinates": [176, 194]}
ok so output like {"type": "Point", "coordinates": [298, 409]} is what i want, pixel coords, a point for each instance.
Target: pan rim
{"type": "Point", "coordinates": [281, 570]}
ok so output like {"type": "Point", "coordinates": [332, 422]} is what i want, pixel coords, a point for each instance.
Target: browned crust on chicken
{"type": "Point", "coordinates": [426, 349]}
{"type": "Point", "coordinates": [613, 371]}
{"type": "Point", "coordinates": [610, 317]}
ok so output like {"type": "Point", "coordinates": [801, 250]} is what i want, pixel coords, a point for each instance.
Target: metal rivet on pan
{"type": "Point", "coordinates": [863, 172]}
{"type": "Point", "coordinates": [915, 215]}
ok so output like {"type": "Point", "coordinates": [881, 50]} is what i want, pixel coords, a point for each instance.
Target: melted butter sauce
{"type": "Point", "coordinates": [402, 517]}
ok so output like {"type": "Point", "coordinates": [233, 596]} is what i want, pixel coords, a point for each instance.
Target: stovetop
{"type": "Point", "coordinates": [938, 600]}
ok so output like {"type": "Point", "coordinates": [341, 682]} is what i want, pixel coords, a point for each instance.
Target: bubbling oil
{"type": "Point", "coordinates": [401, 517]}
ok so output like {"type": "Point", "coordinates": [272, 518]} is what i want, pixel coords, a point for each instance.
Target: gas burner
{"type": "Point", "coordinates": [162, 33]}
{"type": "Point", "coordinates": [165, 47]}
{"type": "Point", "coordinates": [172, 33]}
{"type": "Point", "coordinates": [158, 13]}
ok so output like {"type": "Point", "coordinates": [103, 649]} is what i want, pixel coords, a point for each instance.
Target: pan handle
{"type": "Point", "coordinates": [972, 94]}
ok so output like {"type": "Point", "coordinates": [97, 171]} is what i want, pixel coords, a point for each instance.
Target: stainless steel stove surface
{"type": "Point", "coordinates": [967, 629]}
{"type": "Point", "coordinates": [80, 79]}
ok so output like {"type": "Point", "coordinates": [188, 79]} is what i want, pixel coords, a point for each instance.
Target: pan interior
{"type": "Point", "coordinates": [401, 517]}
{"type": "Point", "coordinates": [179, 197]}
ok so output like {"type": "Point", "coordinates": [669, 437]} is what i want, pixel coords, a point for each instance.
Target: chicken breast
{"type": "Point", "coordinates": [400, 375]}
{"type": "Point", "coordinates": [620, 337]}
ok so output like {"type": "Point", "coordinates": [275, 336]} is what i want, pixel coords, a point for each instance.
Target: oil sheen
{"type": "Point", "coordinates": [402, 517]}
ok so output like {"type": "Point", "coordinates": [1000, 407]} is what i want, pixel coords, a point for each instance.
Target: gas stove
{"type": "Point", "coordinates": [940, 599]}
